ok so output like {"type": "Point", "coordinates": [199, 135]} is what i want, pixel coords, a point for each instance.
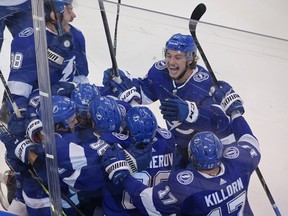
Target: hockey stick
{"type": "Point", "coordinates": [9, 95]}
{"type": "Point", "coordinates": [116, 26]}
{"type": "Point", "coordinates": [3, 198]}
{"type": "Point", "coordinates": [115, 73]}
{"type": "Point", "coordinates": [268, 193]}
{"type": "Point", "coordinates": [42, 186]}
{"type": "Point", "coordinates": [67, 199]}
{"type": "Point", "coordinates": [195, 17]}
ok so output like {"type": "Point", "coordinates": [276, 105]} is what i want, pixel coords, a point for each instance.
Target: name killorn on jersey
{"type": "Point", "coordinates": [220, 196]}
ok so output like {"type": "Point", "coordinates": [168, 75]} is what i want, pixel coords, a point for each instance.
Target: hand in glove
{"type": "Point", "coordinates": [138, 156]}
{"type": "Point", "coordinates": [16, 146]}
{"type": "Point", "coordinates": [18, 124]}
{"type": "Point", "coordinates": [115, 164]}
{"type": "Point", "coordinates": [230, 101]}
{"type": "Point", "coordinates": [174, 109]}
{"type": "Point", "coordinates": [123, 88]}
{"type": "Point", "coordinates": [34, 131]}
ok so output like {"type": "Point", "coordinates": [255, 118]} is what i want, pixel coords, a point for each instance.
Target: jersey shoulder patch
{"type": "Point", "coordinates": [160, 65]}
{"type": "Point", "coordinates": [26, 32]}
{"type": "Point", "coordinates": [164, 133]}
{"type": "Point", "coordinates": [231, 152]}
{"type": "Point", "coordinates": [122, 108]}
{"type": "Point", "coordinates": [185, 177]}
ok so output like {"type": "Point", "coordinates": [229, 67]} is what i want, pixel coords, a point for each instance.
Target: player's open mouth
{"type": "Point", "coordinates": [173, 70]}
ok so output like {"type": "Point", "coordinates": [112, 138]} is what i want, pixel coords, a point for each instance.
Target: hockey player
{"type": "Point", "coordinates": [28, 154]}
{"type": "Point", "coordinates": [79, 165]}
{"type": "Point", "coordinates": [81, 69]}
{"type": "Point", "coordinates": [216, 180]}
{"type": "Point", "coordinates": [106, 117]}
{"type": "Point", "coordinates": [142, 130]}
{"type": "Point", "coordinates": [23, 75]}
{"type": "Point", "coordinates": [182, 87]}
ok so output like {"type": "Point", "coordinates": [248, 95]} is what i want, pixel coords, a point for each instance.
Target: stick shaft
{"type": "Point", "coordinates": [9, 96]}
{"type": "Point", "coordinates": [108, 37]}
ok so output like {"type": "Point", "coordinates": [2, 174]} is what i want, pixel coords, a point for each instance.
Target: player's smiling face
{"type": "Point", "coordinates": [175, 62]}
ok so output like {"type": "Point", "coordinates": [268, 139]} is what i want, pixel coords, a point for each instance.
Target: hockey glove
{"type": "Point", "coordinates": [60, 48]}
{"type": "Point", "coordinates": [5, 135]}
{"type": "Point", "coordinates": [10, 158]}
{"type": "Point", "coordinates": [115, 164]}
{"type": "Point", "coordinates": [34, 131]}
{"type": "Point", "coordinates": [18, 125]}
{"type": "Point", "coordinates": [23, 147]}
{"type": "Point", "coordinates": [16, 145]}
{"type": "Point", "coordinates": [179, 110]}
{"type": "Point", "coordinates": [230, 101]}
{"type": "Point", "coordinates": [123, 88]}
{"type": "Point", "coordinates": [139, 156]}
{"type": "Point", "coordinates": [14, 163]}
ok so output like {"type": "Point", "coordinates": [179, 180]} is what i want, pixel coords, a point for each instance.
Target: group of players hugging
{"type": "Point", "coordinates": [113, 157]}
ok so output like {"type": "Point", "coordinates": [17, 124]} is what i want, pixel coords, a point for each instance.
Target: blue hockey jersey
{"type": "Point", "coordinates": [23, 74]}
{"type": "Point", "coordinates": [82, 71]}
{"type": "Point", "coordinates": [158, 85]}
{"type": "Point", "coordinates": [116, 200]}
{"type": "Point", "coordinates": [190, 192]}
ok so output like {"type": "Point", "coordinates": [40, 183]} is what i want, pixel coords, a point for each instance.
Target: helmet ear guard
{"type": "Point", "coordinates": [205, 151]}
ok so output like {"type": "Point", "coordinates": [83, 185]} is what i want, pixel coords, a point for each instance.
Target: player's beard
{"type": "Point", "coordinates": [173, 67]}
{"type": "Point", "coordinates": [181, 75]}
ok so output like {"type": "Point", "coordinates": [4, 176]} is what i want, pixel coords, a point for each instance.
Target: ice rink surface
{"type": "Point", "coordinates": [246, 43]}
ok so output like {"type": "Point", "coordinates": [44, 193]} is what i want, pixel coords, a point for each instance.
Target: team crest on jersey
{"type": "Point", "coordinates": [122, 110]}
{"type": "Point", "coordinates": [185, 177]}
{"type": "Point", "coordinates": [165, 133]}
{"type": "Point", "coordinates": [231, 153]}
{"type": "Point", "coordinates": [120, 136]}
{"type": "Point", "coordinates": [26, 32]}
{"type": "Point", "coordinates": [160, 65]}
{"type": "Point", "coordinates": [200, 76]}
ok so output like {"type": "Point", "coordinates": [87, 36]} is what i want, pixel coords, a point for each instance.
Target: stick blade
{"type": "Point", "coordinates": [195, 16]}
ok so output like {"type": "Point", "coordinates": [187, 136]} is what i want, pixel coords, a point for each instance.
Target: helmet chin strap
{"type": "Point", "coordinates": [57, 23]}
